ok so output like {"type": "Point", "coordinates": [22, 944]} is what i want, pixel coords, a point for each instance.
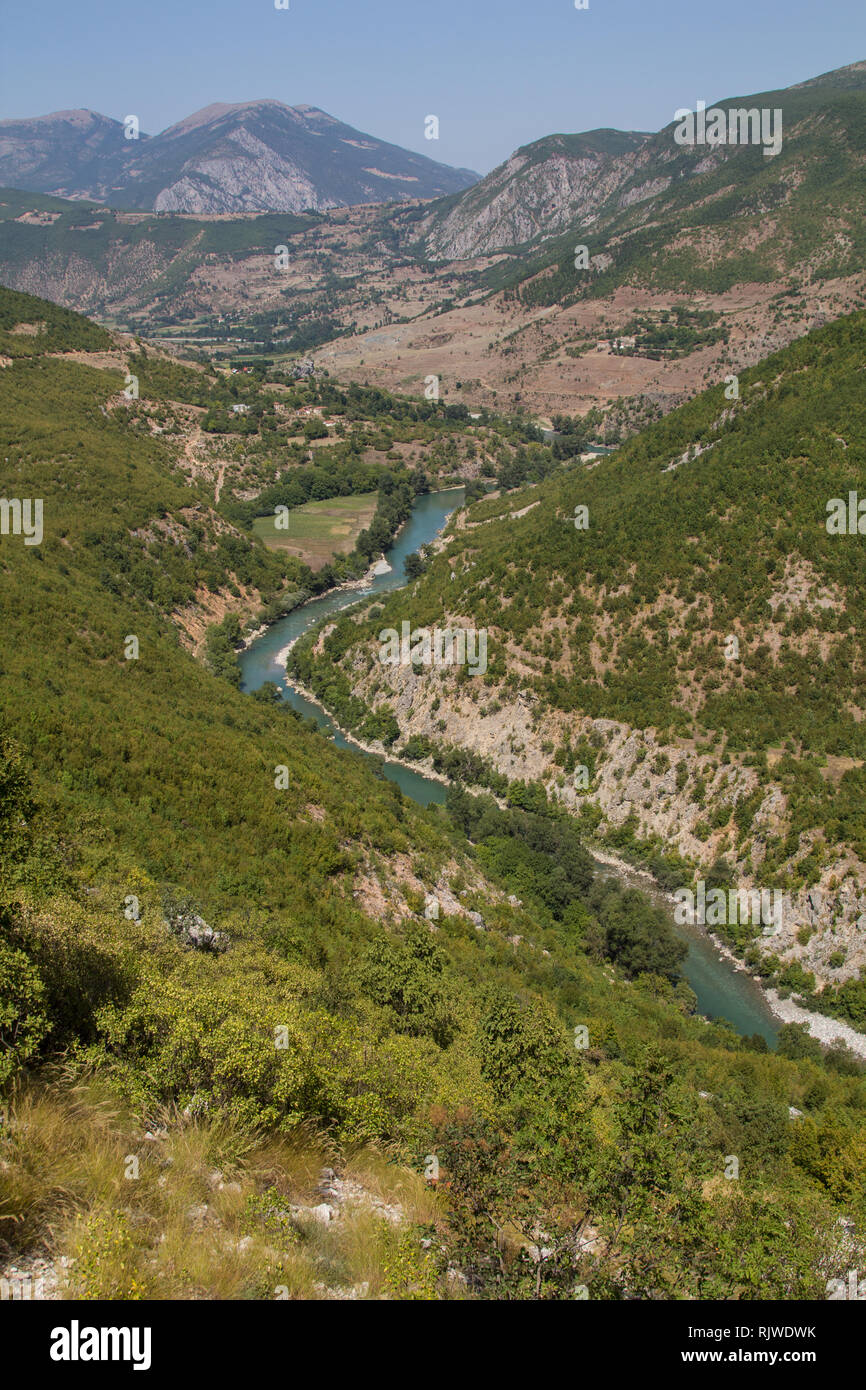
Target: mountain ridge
{"type": "Point", "coordinates": [252, 156]}
{"type": "Point", "coordinates": [596, 187]}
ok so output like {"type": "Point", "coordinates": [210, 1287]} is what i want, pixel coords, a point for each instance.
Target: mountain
{"type": "Point", "coordinates": [694, 640]}
{"type": "Point", "coordinates": [613, 184]}
{"type": "Point", "coordinates": [744, 251]}
{"type": "Point", "coordinates": [540, 190]}
{"type": "Point", "coordinates": [708, 258]}
{"type": "Point", "coordinates": [66, 152]}
{"type": "Point", "coordinates": [256, 156]}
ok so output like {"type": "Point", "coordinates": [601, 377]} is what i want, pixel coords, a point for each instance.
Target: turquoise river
{"type": "Point", "coordinates": [723, 991]}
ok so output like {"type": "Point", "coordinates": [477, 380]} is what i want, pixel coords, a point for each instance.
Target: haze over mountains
{"type": "Point", "coordinates": [525, 959]}
{"type": "Point", "coordinates": [265, 156]}
{"type": "Point", "coordinates": [256, 156]}
{"type": "Point", "coordinates": [478, 287]}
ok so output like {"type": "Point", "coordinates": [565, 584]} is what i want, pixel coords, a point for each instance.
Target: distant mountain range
{"type": "Point", "coordinates": [481, 286]}
{"type": "Point", "coordinates": [257, 156]}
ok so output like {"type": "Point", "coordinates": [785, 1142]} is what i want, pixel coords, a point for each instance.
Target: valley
{"type": "Point", "coordinates": [463, 290]}
{"type": "Point", "coordinates": [432, 832]}
{"type": "Point", "coordinates": [557, 690]}
{"type": "Point", "coordinates": [720, 990]}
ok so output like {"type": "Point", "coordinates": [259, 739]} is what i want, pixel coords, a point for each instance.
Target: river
{"type": "Point", "coordinates": [721, 989]}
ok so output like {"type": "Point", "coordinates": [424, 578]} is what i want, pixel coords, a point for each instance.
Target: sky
{"type": "Point", "coordinates": [497, 73]}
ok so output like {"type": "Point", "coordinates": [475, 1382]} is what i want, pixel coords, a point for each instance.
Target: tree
{"type": "Point", "coordinates": [413, 566]}
{"type": "Point", "coordinates": [796, 1042]}
{"type": "Point", "coordinates": [16, 809]}
{"type": "Point", "coordinates": [23, 1020]}
{"type": "Point", "coordinates": [637, 935]}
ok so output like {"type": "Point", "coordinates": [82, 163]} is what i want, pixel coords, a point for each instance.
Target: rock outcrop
{"type": "Point", "coordinates": [670, 791]}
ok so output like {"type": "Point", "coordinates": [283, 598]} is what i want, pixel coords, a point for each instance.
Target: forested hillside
{"type": "Point", "coordinates": [214, 953]}
{"type": "Point", "coordinates": [707, 217]}
{"type": "Point", "coordinates": [684, 620]}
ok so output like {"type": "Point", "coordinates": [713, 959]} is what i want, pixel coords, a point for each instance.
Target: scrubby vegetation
{"type": "Point", "coordinates": [704, 598]}
{"type": "Point", "coordinates": [741, 218]}
{"type": "Point", "coordinates": [545, 1055]}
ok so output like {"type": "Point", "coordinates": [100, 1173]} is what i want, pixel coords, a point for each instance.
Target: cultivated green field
{"type": "Point", "coordinates": [318, 531]}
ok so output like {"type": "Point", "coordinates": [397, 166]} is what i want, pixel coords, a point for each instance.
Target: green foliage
{"type": "Point", "coordinates": [413, 566]}
{"type": "Point", "coordinates": [410, 980]}
{"type": "Point", "coordinates": [24, 1024]}
{"type": "Point", "coordinates": [56, 329]}
{"type": "Point", "coordinates": [332, 1008]}
{"type": "Point", "coordinates": [637, 936]}
{"type": "Point", "coordinates": [762, 218]}
{"type": "Point", "coordinates": [675, 558]}
{"type": "Point", "coordinates": [221, 642]}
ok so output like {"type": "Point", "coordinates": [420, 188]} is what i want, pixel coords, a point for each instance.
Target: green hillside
{"type": "Point", "coordinates": [138, 791]}
{"type": "Point", "coordinates": [704, 219]}
{"type": "Point", "coordinates": [45, 328]}
{"type": "Point", "coordinates": [708, 526]}
{"type": "Point", "coordinates": [133, 259]}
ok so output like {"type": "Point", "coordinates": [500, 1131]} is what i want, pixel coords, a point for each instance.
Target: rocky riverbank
{"type": "Point", "coordinates": [670, 792]}
{"type": "Point", "coordinates": [820, 1026]}
{"type": "Point", "coordinates": [378, 567]}
{"type": "Point", "coordinates": [827, 1030]}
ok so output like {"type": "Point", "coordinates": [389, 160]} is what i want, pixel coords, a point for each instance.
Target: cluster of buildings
{"type": "Point", "coordinates": [626, 340]}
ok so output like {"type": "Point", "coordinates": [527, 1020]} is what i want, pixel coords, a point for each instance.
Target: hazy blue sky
{"type": "Point", "coordinates": [497, 73]}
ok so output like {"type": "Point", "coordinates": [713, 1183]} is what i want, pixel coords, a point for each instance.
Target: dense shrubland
{"type": "Point", "coordinates": [337, 1021]}
{"type": "Point", "coordinates": [710, 524]}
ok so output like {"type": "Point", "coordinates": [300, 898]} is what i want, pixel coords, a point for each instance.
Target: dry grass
{"type": "Point", "coordinates": [196, 1209]}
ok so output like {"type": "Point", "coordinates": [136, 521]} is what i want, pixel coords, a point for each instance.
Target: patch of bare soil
{"type": "Point", "coordinates": [499, 354]}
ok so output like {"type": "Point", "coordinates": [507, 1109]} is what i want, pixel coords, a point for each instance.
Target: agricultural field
{"type": "Point", "coordinates": [318, 531]}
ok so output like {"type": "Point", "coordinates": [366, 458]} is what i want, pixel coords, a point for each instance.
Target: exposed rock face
{"type": "Point", "coordinates": [541, 190]}
{"type": "Point", "coordinates": [639, 778]}
{"type": "Point", "coordinates": [194, 931]}
{"type": "Point", "coordinates": [259, 156]}
{"type": "Point", "coordinates": [589, 182]}
{"type": "Point", "coordinates": [244, 178]}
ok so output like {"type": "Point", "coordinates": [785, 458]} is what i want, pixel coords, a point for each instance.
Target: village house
{"type": "Point", "coordinates": [626, 340]}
